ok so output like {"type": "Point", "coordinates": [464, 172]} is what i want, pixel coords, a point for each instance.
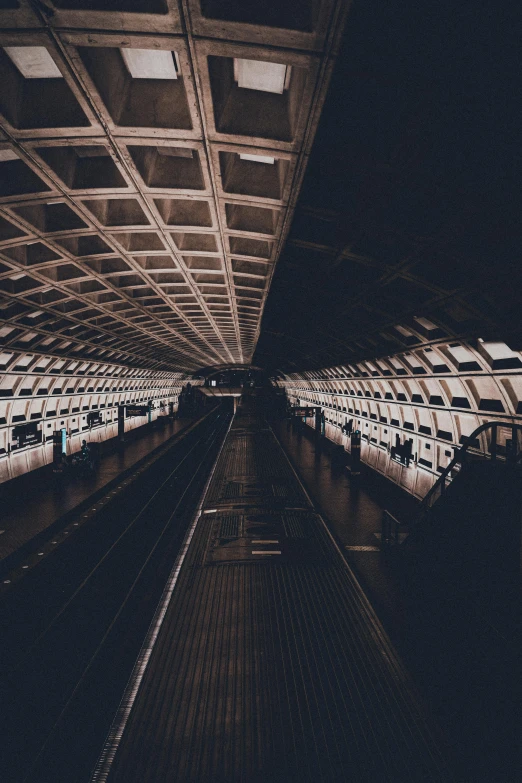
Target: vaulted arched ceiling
{"type": "Point", "coordinates": [410, 205]}
{"type": "Point", "coordinates": [151, 154]}
{"type": "Point", "coordinates": [169, 168]}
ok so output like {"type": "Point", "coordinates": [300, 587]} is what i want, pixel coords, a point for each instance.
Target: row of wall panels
{"type": "Point", "coordinates": [420, 409]}
{"type": "Point", "coordinates": [15, 463]}
{"type": "Point", "coordinates": [56, 394]}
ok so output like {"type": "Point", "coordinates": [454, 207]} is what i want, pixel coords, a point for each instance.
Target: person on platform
{"type": "Point", "coordinates": [85, 449]}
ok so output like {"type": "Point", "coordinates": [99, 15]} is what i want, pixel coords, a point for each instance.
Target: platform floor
{"type": "Point", "coordinates": [353, 508]}
{"type": "Point", "coordinates": [270, 663]}
{"type": "Point", "coordinates": [33, 503]}
{"type": "Point", "coordinates": [465, 657]}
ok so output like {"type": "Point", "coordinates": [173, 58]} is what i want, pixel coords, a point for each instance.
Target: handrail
{"type": "Point", "coordinates": [513, 456]}
{"type": "Point", "coordinates": [390, 527]}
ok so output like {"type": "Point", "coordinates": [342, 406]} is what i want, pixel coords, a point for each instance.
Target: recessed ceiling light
{"type": "Point", "coordinates": [33, 62]}
{"type": "Point", "coordinates": [256, 158]}
{"type": "Point", "coordinates": [149, 63]}
{"type": "Point", "coordinates": [261, 75]}
{"type": "Point", "coordinates": [6, 155]}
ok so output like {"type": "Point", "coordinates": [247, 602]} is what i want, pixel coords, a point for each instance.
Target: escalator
{"type": "Point", "coordinates": [460, 567]}
{"type": "Point", "coordinates": [470, 538]}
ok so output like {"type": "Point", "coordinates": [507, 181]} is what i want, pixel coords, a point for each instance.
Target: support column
{"type": "Point", "coordinates": [355, 440]}
{"type": "Point", "coordinates": [59, 445]}
{"type": "Point", "coordinates": [121, 423]}
{"type": "Point", "coordinates": [318, 421]}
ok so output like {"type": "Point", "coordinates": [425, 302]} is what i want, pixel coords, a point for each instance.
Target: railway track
{"type": "Point", "coordinates": [72, 627]}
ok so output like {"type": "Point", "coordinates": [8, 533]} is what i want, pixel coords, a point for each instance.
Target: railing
{"type": "Point", "coordinates": [512, 452]}
{"type": "Point", "coordinates": [390, 530]}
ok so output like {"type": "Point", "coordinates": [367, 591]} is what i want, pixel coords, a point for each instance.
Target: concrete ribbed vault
{"type": "Point", "coordinates": [158, 158]}
{"type": "Point", "coordinates": [151, 155]}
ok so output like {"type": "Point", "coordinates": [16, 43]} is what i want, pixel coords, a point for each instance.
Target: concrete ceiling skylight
{"type": "Point", "coordinates": [33, 62]}
{"type": "Point", "coordinates": [6, 155]}
{"type": "Point", "coordinates": [260, 75]}
{"type": "Point", "coordinates": [256, 158]}
{"type": "Point", "coordinates": [150, 63]}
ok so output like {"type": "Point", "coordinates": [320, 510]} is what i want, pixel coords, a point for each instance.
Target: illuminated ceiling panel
{"type": "Point", "coordinates": [33, 62]}
{"type": "Point", "coordinates": [149, 64]}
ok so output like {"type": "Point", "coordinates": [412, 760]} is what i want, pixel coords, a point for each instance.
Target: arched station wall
{"type": "Point", "coordinates": [61, 393]}
{"type": "Point", "coordinates": [435, 396]}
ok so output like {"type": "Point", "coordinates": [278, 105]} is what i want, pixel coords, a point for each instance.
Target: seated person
{"type": "Point", "coordinates": [62, 463]}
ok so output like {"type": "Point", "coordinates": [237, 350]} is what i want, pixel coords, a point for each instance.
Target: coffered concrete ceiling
{"type": "Point", "coordinates": [151, 155]}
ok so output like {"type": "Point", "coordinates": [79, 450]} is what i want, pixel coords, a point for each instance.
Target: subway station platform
{"type": "Point", "coordinates": [266, 661]}
{"type": "Point", "coordinates": [76, 609]}
{"type": "Point", "coordinates": [465, 655]}
{"type": "Point", "coordinates": [353, 508]}
{"type": "Point", "coordinates": [40, 502]}
{"type": "Point", "coordinates": [249, 629]}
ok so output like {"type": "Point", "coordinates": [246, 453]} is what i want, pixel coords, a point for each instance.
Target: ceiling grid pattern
{"type": "Point", "coordinates": [150, 157]}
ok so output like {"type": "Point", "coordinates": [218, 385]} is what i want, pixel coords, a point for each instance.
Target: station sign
{"type": "Point", "coordinates": [137, 410]}
{"type": "Point", "coordinates": [94, 418]}
{"type": "Point", "coordinates": [26, 435]}
{"type": "Point", "coordinates": [303, 411]}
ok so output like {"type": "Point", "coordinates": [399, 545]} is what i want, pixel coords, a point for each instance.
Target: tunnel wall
{"type": "Point", "coordinates": [61, 393]}
{"type": "Point", "coordinates": [435, 396]}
